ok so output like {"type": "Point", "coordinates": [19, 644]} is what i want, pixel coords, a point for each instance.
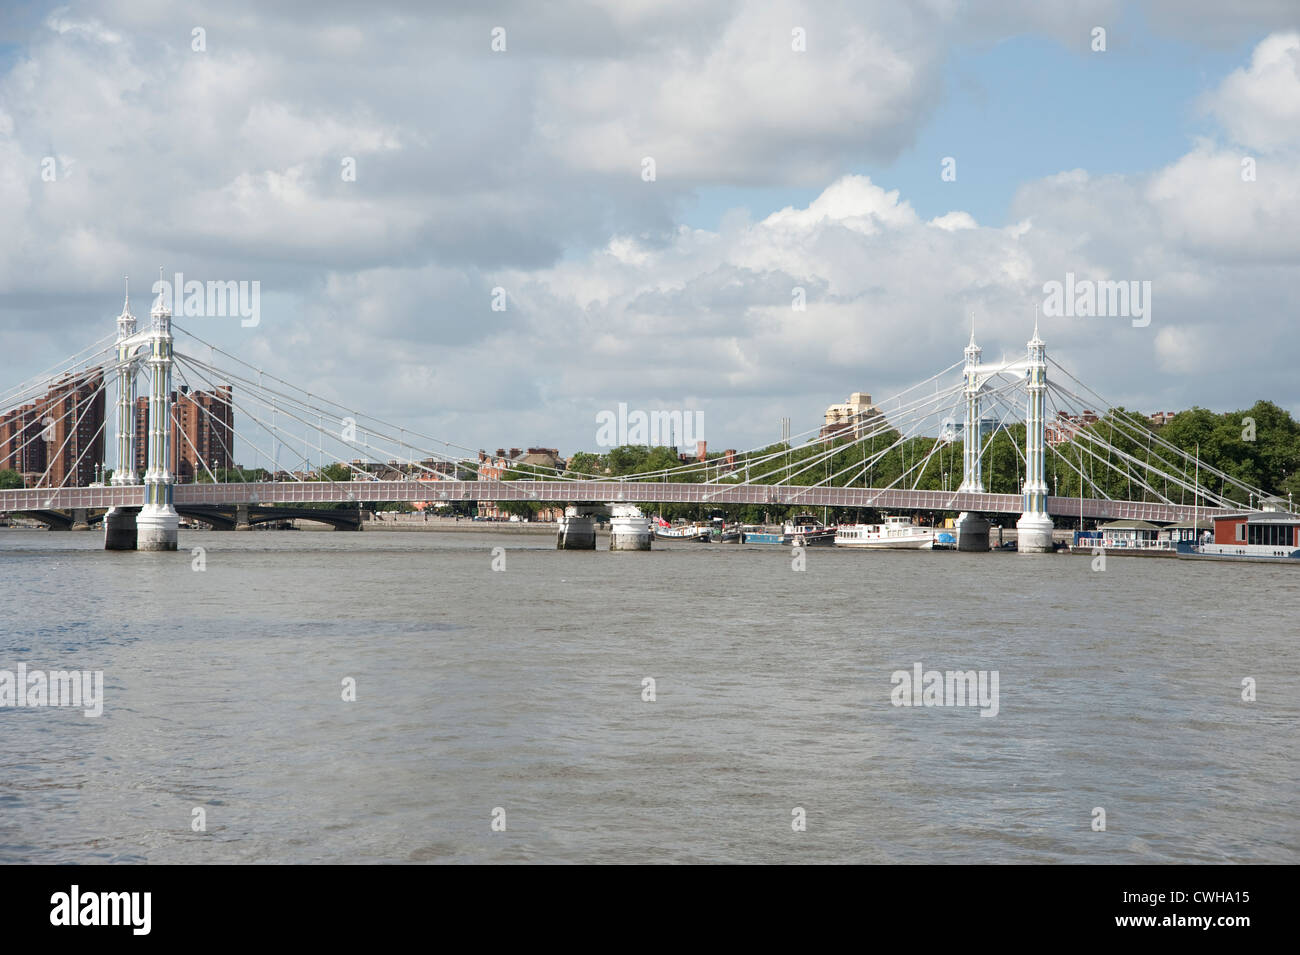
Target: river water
{"type": "Point", "coordinates": [516, 695]}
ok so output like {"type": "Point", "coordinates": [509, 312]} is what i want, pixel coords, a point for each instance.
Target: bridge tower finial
{"type": "Point", "coordinates": [126, 321]}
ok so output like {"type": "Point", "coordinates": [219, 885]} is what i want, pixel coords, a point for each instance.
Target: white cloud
{"type": "Point", "coordinates": [953, 221]}
{"type": "Point", "coordinates": [853, 202]}
{"type": "Point", "coordinates": [1206, 206]}
{"type": "Point", "coordinates": [745, 105]}
{"type": "Point", "coordinates": [1259, 105]}
{"type": "Point", "coordinates": [1183, 350]}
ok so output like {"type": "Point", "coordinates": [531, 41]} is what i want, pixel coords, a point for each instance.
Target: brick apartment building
{"type": "Point", "coordinates": [21, 446]}
{"type": "Point", "coordinates": [58, 440]}
{"type": "Point", "coordinates": [202, 437]}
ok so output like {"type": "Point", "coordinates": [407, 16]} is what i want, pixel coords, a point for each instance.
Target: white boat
{"type": "Point", "coordinates": [663, 531]}
{"type": "Point", "coordinates": [896, 532]}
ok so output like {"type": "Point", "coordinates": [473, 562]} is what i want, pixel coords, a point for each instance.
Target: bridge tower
{"type": "Point", "coordinates": [1035, 527]}
{"type": "Point", "coordinates": [972, 474]}
{"type": "Point", "coordinates": [124, 472]}
{"type": "Point", "coordinates": [158, 521]}
{"type": "Point", "coordinates": [972, 529]}
{"type": "Point", "coordinates": [120, 530]}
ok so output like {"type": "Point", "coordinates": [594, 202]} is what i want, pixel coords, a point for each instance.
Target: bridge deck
{"type": "Point", "coordinates": [632, 492]}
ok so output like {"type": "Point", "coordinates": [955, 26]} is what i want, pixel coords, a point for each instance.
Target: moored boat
{"type": "Point", "coordinates": [664, 531]}
{"type": "Point", "coordinates": [895, 532]}
{"type": "Point", "coordinates": [757, 534]}
{"type": "Point", "coordinates": [804, 530]}
{"type": "Point", "coordinates": [723, 533]}
{"type": "Point", "coordinates": [944, 540]}
{"type": "Point", "coordinates": [1262, 536]}
{"type": "Point", "coordinates": [1255, 552]}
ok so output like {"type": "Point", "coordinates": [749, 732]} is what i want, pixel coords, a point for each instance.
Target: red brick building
{"type": "Point", "coordinates": [21, 446]}
{"type": "Point", "coordinates": [496, 467]}
{"type": "Point", "coordinates": [62, 433]}
{"type": "Point", "coordinates": [202, 437]}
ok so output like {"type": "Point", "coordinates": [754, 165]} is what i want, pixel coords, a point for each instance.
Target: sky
{"type": "Point", "coordinates": [775, 168]}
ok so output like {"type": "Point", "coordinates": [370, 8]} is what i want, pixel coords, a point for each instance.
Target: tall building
{"type": "Point", "coordinates": [73, 418]}
{"type": "Point", "coordinates": [21, 447]}
{"type": "Point", "coordinates": [851, 419]}
{"type": "Point", "coordinates": [58, 440]}
{"type": "Point", "coordinates": [202, 433]}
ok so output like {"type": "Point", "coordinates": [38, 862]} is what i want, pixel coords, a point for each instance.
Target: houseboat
{"type": "Point", "coordinates": [895, 532]}
{"type": "Point", "coordinates": [806, 531]}
{"type": "Point", "coordinates": [803, 530]}
{"type": "Point", "coordinates": [721, 532]}
{"type": "Point", "coordinates": [1130, 535]}
{"type": "Point", "coordinates": [663, 531]}
{"type": "Point", "coordinates": [1265, 536]}
{"type": "Point", "coordinates": [1140, 538]}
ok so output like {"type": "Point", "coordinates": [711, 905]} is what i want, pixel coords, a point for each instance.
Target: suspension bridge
{"type": "Point", "coordinates": [58, 443]}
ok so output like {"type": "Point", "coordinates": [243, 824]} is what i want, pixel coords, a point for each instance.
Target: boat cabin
{"type": "Point", "coordinates": [1267, 528]}
{"type": "Point", "coordinates": [1186, 531]}
{"type": "Point", "coordinates": [1128, 533]}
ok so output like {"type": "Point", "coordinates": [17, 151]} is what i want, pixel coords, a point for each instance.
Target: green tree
{"type": "Point", "coordinates": [235, 475]}
{"type": "Point", "coordinates": [663, 459]}
{"type": "Point", "coordinates": [626, 459]}
{"type": "Point", "coordinates": [334, 472]}
{"type": "Point", "coordinates": [585, 462]}
{"type": "Point", "coordinates": [10, 480]}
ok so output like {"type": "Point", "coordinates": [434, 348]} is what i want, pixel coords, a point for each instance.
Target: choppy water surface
{"type": "Point", "coordinates": [522, 690]}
